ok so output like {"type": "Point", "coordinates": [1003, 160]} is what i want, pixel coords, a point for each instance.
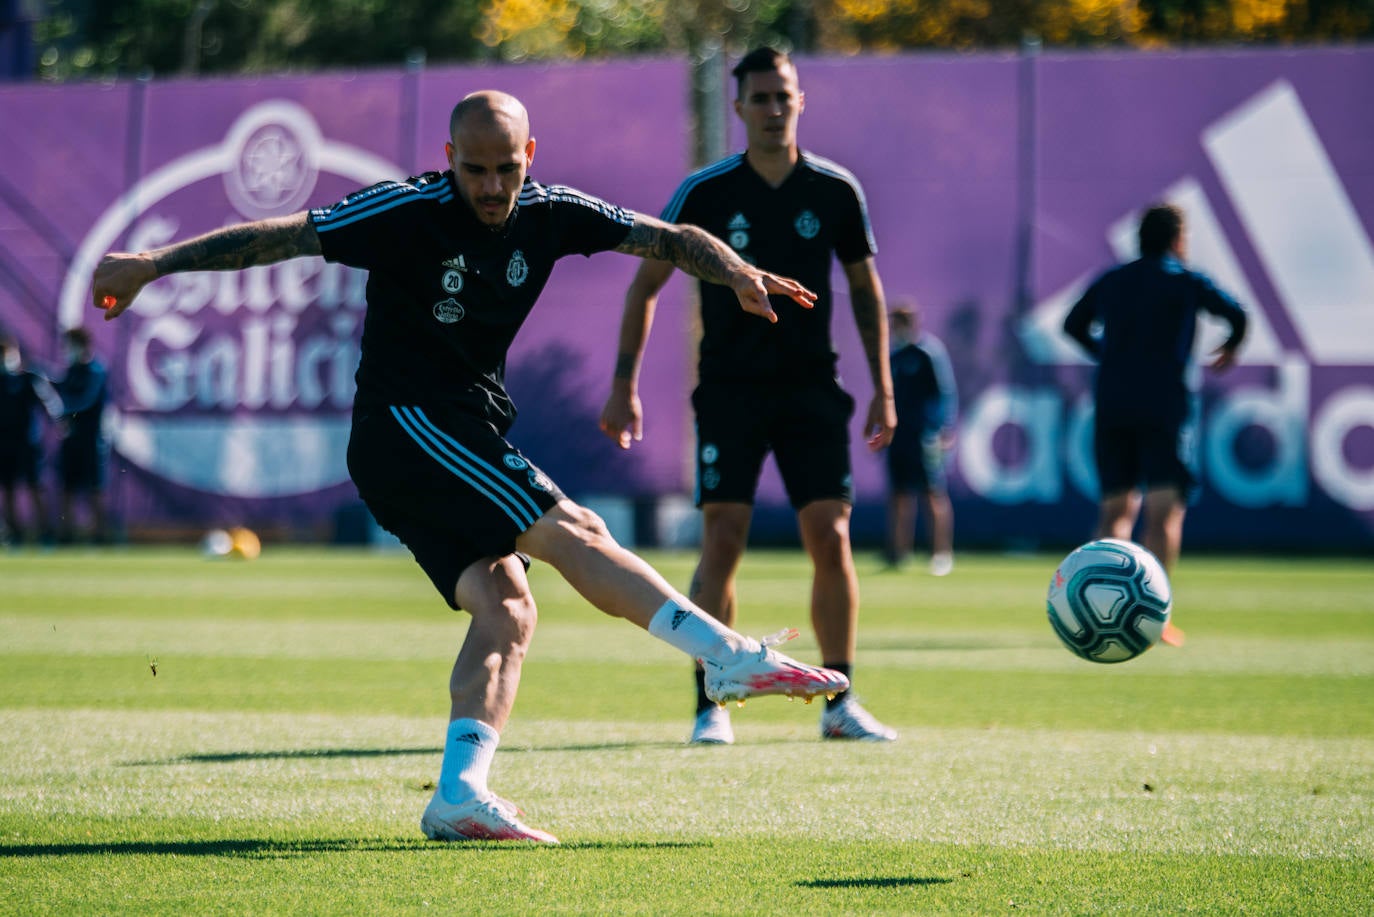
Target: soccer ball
{"type": "Point", "coordinates": [1109, 600]}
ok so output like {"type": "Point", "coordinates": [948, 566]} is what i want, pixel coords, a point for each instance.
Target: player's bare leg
{"type": "Point", "coordinates": [901, 526]}
{"type": "Point", "coordinates": [940, 514]}
{"type": "Point", "coordinates": [835, 614]}
{"type": "Point", "coordinates": [725, 534]}
{"type": "Point", "coordinates": [1164, 512]}
{"type": "Point", "coordinates": [1117, 514]}
{"type": "Point", "coordinates": [482, 691]}
{"type": "Point", "coordinates": [577, 544]}
{"type": "Point", "coordinates": [486, 674]}
{"type": "Point", "coordinates": [824, 528]}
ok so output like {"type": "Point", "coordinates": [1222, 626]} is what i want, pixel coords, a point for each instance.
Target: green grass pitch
{"type": "Point", "coordinates": [278, 759]}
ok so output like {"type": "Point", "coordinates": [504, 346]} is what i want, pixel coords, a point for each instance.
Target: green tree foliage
{"type": "Point", "coordinates": [95, 38]}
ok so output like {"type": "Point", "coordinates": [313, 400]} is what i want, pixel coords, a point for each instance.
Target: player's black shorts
{"type": "Point", "coordinates": [916, 464]}
{"type": "Point", "coordinates": [446, 484]}
{"type": "Point", "coordinates": [18, 464]}
{"type": "Point", "coordinates": [1145, 457]}
{"type": "Point", "coordinates": [81, 464]}
{"type": "Point", "coordinates": [805, 425]}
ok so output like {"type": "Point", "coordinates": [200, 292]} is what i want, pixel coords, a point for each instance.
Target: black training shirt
{"type": "Point", "coordinates": [445, 292]}
{"type": "Point", "coordinates": [790, 230]}
{"type": "Point", "coordinates": [1147, 313]}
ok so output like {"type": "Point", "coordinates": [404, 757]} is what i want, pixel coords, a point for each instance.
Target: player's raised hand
{"type": "Point", "coordinates": [754, 286]}
{"type": "Point", "coordinates": [118, 279]}
{"type": "Point", "coordinates": [622, 418]}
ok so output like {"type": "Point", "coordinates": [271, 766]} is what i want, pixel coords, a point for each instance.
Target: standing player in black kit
{"type": "Point", "coordinates": [773, 387]}
{"type": "Point", "coordinates": [456, 261]}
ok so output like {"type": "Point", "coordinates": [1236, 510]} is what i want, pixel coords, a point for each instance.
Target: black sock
{"type": "Point", "coordinates": [703, 702]}
{"type": "Point", "coordinates": [844, 668]}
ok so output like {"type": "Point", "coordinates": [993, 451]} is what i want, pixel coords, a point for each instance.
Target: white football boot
{"type": "Point", "coordinates": [712, 727]}
{"type": "Point", "coordinates": [483, 818]}
{"type": "Point", "coordinates": [849, 720]}
{"type": "Point", "coordinates": [769, 672]}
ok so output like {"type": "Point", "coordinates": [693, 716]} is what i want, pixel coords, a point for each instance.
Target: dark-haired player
{"type": "Point", "coordinates": [455, 262]}
{"type": "Point", "coordinates": [773, 388]}
{"type": "Point", "coordinates": [1138, 321]}
{"type": "Point", "coordinates": [81, 457]}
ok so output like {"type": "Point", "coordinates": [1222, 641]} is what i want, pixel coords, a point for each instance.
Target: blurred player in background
{"type": "Point", "coordinates": [456, 261]}
{"type": "Point", "coordinates": [81, 461]}
{"type": "Point", "coordinates": [927, 407]}
{"type": "Point", "coordinates": [773, 387]}
{"type": "Point", "coordinates": [1138, 321]}
{"type": "Point", "coordinates": [22, 393]}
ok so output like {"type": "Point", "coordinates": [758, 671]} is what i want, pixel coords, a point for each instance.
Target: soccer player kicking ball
{"type": "Point", "coordinates": [456, 261]}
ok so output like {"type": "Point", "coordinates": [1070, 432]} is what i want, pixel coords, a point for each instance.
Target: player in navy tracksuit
{"type": "Point", "coordinates": [22, 393]}
{"type": "Point", "coordinates": [81, 459]}
{"type": "Point", "coordinates": [1138, 321]}
{"type": "Point", "coordinates": [455, 262]}
{"type": "Point", "coordinates": [927, 406]}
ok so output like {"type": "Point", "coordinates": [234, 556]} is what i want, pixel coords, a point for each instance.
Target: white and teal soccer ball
{"type": "Point", "coordinates": [1109, 600]}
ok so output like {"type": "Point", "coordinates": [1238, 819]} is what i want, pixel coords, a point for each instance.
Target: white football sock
{"type": "Point", "coordinates": [468, 750]}
{"type": "Point", "coordinates": [682, 625]}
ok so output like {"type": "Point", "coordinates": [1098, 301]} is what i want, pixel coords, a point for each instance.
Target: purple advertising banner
{"type": "Point", "coordinates": [998, 186]}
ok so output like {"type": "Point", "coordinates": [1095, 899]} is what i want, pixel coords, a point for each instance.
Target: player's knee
{"type": "Point", "coordinates": [829, 543]}
{"type": "Point", "coordinates": [563, 532]}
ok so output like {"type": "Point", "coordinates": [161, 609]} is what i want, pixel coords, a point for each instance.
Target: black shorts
{"type": "Point", "coordinates": [81, 465]}
{"type": "Point", "coordinates": [447, 485]}
{"type": "Point", "coordinates": [916, 465]}
{"type": "Point", "coordinates": [1145, 457]}
{"type": "Point", "coordinates": [805, 426]}
{"type": "Point", "coordinates": [18, 464]}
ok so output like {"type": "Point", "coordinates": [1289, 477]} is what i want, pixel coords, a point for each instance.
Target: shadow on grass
{"type": "Point", "coordinates": [268, 849]}
{"type": "Point", "coordinates": [875, 882]}
{"type": "Point", "coordinates": [228, 757]}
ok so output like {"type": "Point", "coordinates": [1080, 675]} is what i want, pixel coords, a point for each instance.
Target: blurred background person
{"type": "Point", "coordinates": [81, 460]}
{"type": "Point", "coordinates": [22, 393]}
{"type": "Point", "coordinates": [927, 407]}
{"type": "Point", "coordinates": [1138, 322]}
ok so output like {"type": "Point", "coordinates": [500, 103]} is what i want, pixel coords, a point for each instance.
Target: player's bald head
{"type": "Point", "coordinates": [488, 110]}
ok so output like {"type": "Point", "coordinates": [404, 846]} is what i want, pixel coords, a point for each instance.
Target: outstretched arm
{"type": "Point", "coordinates": [702, 255]}
{"type": "Point", "coordinates": [120, 276]}
{"type": "Point", "coordinates": [622, 418]}
{"type": "Point", "coordinates": [870, 315]}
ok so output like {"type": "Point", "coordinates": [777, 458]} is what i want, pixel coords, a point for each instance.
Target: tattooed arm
{"type": "Point", "coordinates": [870, 315]}
{"type": "Point", "coordinates": [702, 255]}
{"type": "Point", "coordinates": [120, 276]}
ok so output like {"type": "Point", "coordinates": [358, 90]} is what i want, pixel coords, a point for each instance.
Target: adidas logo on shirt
{"type": "Point", "coordinates": [738, 222]}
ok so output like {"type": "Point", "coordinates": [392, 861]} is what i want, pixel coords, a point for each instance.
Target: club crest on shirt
{"type": "Point", "coordinates": [807, 224]}
{"type": "Point", "coordinates": [449, 311]}
{"type": "Point", "coordinates": [516, 269]}
{"type": "Point", "coordinates": [514, 462]}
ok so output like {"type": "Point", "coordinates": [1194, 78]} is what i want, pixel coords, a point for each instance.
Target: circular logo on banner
{"type": "Point", "coordinates": [236, 383]}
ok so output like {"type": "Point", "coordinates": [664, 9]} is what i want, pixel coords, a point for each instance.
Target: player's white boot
{"type": "Point", "coordinates": [483, 818]}
{"type": "Point", "coordinates": [712, 727]}
{"type": "Point", "coordinates": [849, 720]}
{"type": "Point", "coordinates": [769, 672]}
